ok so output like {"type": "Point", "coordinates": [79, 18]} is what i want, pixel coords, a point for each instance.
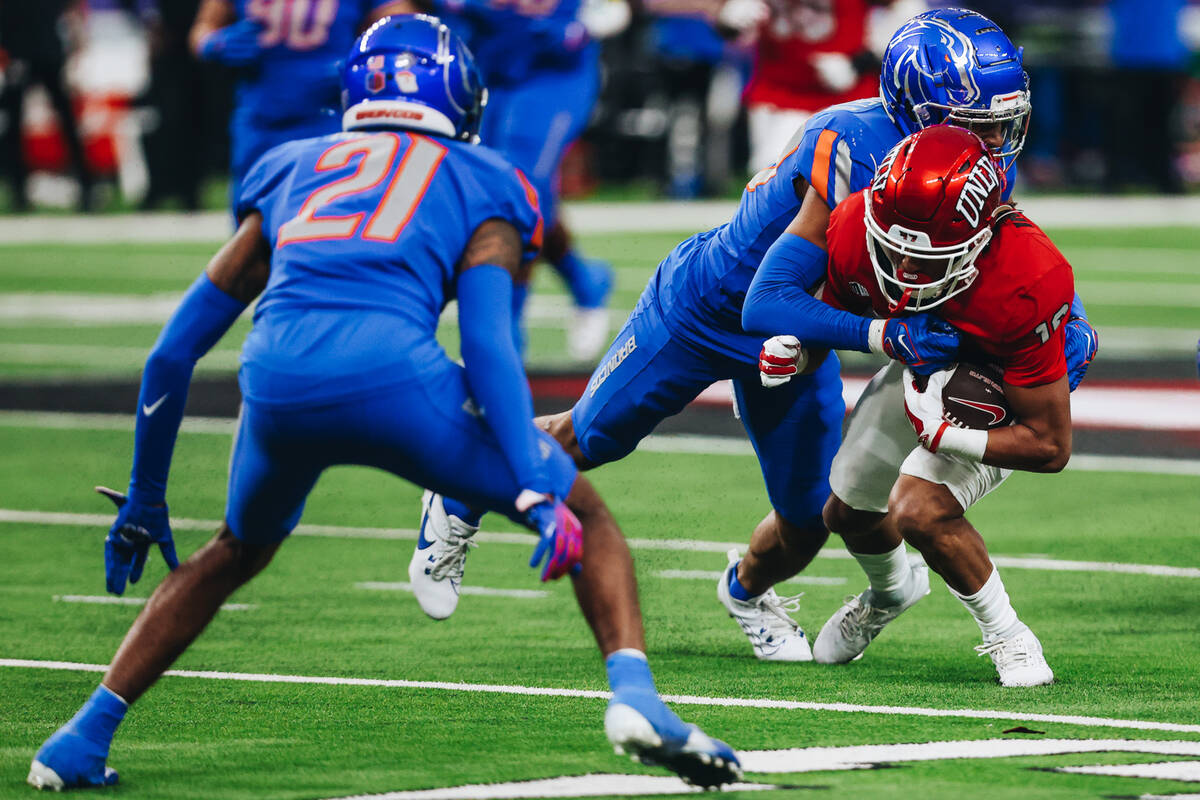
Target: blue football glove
{"type": "Point", "coordinates": [922, 342]}
{"type": "Point", "coordinates": [1082, 343]}
{"type": "Point", "coordinates": [235, 45]}
{"type": "Point", "coordinates": [561, 542]}
{"type": "Point", "coordinates": [128, 543]}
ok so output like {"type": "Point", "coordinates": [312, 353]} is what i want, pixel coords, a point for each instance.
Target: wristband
{"type": "Point", "coordinates": [875, 336]}
{"type": "Point", "coordinates": [962, 442]}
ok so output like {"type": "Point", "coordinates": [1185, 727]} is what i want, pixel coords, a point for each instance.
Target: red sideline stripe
{"type": "Point", "coordinates": [1165, 405]}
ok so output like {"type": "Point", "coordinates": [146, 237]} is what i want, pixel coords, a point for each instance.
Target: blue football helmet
{"type": "Point", "coordinates": [411, 71]}
{"type": "Point", "coordinates": [957, 66]}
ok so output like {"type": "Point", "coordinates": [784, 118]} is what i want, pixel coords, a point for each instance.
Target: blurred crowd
{"type": "Point", "coordinates": [103, 102]}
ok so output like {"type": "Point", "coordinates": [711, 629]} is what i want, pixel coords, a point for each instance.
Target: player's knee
{"type": "Point", "coordinates": [809, 533]}
{"type": "Point", "coordinates": [846, 520]}
{"type": "Point", "coordinates": [921, 511]}
{"type": "Point", "coordinates": [239, 561]}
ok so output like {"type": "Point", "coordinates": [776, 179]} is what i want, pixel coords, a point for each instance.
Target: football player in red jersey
{"type": "Point", "coordinates": [930, 233]}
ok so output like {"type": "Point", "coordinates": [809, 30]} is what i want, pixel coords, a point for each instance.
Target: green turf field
{"type": "Point", "coordinates": [1123, 645]}
{"type": "Point", "coordinates": [95, 309]}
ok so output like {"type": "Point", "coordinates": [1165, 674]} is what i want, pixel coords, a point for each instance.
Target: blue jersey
{"type": "Point", "coordinates": [514, 40]}
{"type": "Point", "coordinates": [366, 232]}
{"type": "Point", "coordinates": [702, 284]}
{"type": "Point", "coordinates": [304, 43]}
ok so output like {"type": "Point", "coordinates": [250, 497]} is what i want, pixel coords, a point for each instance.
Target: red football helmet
{"type": "Point", "coordinates": [929, 215]}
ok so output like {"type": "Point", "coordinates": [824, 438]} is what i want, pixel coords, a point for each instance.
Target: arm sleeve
{"type": "Point", "coordinates": [494, 372]}
{"type": "Point", "coordinates": [203, 317]}
{"type": "Point", "coordinates": [778, 300]}
{"type": "Point", "coordinates": [1077, 309]}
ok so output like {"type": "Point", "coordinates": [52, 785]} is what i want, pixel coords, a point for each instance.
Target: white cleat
{"type": "Point", "coordinates": [773, 634]}
{"type": "Point", "coordinates": [588, 335]}
{"type": "Point", "coordinates": [43, 778]}
{"type": "Point", "coordinates": [847, 633]}
{"type": "Point", "coordinates": [1018, 659]}
{"type": "Point", "coordinates": [437, 564]}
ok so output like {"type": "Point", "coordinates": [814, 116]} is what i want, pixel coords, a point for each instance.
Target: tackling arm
{"type": "Point", "coordinates": [210, 17]}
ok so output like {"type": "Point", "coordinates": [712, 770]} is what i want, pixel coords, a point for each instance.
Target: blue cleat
{"type": "Point", "coordinates": [69, 760]}
{"type": "Point", "coordinates": [73, 758]}
{"type": "Point", "coordinates": [639, 725]}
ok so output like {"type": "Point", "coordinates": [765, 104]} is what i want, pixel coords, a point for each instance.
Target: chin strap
{"type": "Point", "coordinates": [893, 307]}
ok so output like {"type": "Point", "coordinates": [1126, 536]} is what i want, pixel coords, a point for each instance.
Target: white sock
{"type": "Point", "coordinates": [888, 573]}
{"type": "Point", "coordinates": [991, 608]}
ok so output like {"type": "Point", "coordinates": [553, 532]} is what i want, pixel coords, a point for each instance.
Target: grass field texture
{"type": "Point", "coordinates": [1123, 645]}
{"type": "Point", "coordinates": [95, 309]}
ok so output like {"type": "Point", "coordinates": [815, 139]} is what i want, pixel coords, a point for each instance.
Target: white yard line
{"type": "Point", "coordinates": [404, 586]}
{"type": "Point", "coordinates": [715, 574]}
{"type": "Point", "coordinates": [690, 700]}
{"type": "Point", "coordinates": [109, 600]}
{"type": "Point", "coordinates": [1049, 211]}
{"type": "Point", "coordinates": [14, 516]}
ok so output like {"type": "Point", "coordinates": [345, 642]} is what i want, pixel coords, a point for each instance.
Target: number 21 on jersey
{"type": "Point", "coordinates": [376, 155]}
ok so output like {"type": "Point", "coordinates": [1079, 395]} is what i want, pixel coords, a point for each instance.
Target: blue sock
{"type": "Point", "coordinates": [588, 281]}
{"type": "Point", "coordinates": [100, 715]}
{"type": "Point", "coordinates": [736, 590]}
{"type": "Point", "coordinates": [456, 509]}
{"type": "Point", "coordinates": [628, 670]}
{"type": "Point", "coordinates": [519, 294]}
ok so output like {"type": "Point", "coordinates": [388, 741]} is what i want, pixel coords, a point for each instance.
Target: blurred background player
{"type": "Point", "coordinates": [32, 53]}
{"type": "Point", "coordinates": [287, 55]}
{"type": "Point", "coordinates": [343, 367]}
{"type": "Point", "coordinates": [931, 234]}
{"type": "Point", "coordinates": [541, 64]}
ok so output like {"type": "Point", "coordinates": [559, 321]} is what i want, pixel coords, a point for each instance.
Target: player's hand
{"type": "Point", "coordinates": [835, 71]}
{"type": "Point", "coordinates": [742, 15]}
{"type": "Point", "coordinates": [234, 45]}
{"type": "Point", "coordinates": [1082, 343]}
{"type": "Point", "coordinates": [781, 358]}
{"type": "Point", "coordinates": [922, 342]}
{"type": "Point", "coordinates": [561, 542]}
{"type": "Point", "coordinates": [128, 543]}
{"type": "Point", "coordinates": [924, 407]}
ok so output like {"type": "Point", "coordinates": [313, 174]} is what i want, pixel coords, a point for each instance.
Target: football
{"type": "Point", "coordinates": [973, 397]}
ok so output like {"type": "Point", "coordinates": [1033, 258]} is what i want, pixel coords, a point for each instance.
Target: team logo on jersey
{"type": "Point", "coordinates": [406, 82]}
{"type": "Point", "coordinates": [980, 183]}
{"type": "Point", "coordinates": [858, 289]}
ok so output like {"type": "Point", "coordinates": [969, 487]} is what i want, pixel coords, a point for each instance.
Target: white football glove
{"type": "Point", "coordinates": [925, 413]}
{"type": "Point", "coordinates": [742, 15]}
{"type": "Point", "coordinates": [781, 358]}
{"type": "Point", "coordinates": [835, 71]}
{"type": "Point", "coordinates": [605, 18]}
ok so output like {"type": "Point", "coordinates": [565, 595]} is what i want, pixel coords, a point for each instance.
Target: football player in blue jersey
{"type": "Point", "coordinates": [706, 310]}
{"type": "Point", "coordinates": [286, 54]}
{"type": "Point", "coordinates": [542, 70]}
{"type": "Point", "coordinates": [355, 242]}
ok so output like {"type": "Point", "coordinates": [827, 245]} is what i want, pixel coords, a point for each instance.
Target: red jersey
{"type": "Point", "coordinates": [1012, 314]}
{"type": "Point", "coordinates": [799, 29]}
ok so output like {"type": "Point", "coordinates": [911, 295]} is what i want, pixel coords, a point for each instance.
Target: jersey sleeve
{"type": "Point", "coordinates": [823, 158]}
{"type": "Point", "coordinates": [260, 182]}
{"type": "Point", "coordinates": [1037, 337]}
{"type": "Point", "coordinates": [494, 189]}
